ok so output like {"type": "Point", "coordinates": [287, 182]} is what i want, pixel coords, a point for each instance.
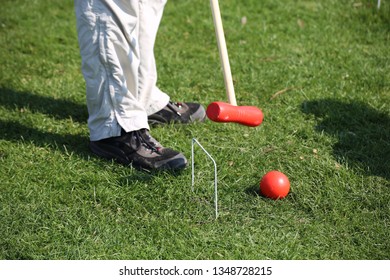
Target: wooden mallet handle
{"type": "Point", "coordinates": [227, 75]}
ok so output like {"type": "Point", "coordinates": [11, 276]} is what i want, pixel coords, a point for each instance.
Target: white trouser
{"type": "Point", "coordinates": [116, 39]}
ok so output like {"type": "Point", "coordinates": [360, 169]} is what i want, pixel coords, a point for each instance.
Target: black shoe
{"type": "Point", "coordinates": [139, 149]}
{"type": "Point", "coordinates": [178, 113]}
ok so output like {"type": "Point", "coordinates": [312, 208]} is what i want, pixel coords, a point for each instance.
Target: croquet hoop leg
{"type": "Point", "coordinates": [194, 141]}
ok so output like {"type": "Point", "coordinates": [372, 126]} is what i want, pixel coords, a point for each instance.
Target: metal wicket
{"type": "Point", "coordinates": [194, 141]}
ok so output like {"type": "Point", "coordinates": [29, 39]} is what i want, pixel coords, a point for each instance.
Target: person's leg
{"type": "Point", "coordinates": [109, 42]}
{"type": "Point", "coordinates": [150, 14]}
{"type": "Point", "coordinates": [157, 103]}
{"type": "Point", "coordinates": [109, 47]}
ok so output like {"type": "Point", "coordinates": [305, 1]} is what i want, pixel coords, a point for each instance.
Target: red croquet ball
{"type": "Point", "coordinates": [274, 185]}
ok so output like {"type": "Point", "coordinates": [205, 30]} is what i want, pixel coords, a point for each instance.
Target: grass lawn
{"type": "Point", "coordinates": [320, 72]}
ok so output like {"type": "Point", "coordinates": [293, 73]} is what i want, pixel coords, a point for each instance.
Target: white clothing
{"type": "Point", "coordinates": [116, 39]}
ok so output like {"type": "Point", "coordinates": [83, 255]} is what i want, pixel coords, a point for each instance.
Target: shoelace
{"type": "Point", "coordinates": [137, 139]}
{"type": "Point", "coordinates": [173, 106]}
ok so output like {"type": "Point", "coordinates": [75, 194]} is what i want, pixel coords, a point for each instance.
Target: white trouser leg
{"type": "Point", "coordinates": [150, 96]}
{"type": "Point", "coordinates": [116, 41]}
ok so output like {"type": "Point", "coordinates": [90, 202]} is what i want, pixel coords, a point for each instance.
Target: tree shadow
{"type": "Point", "coordinates": [363, 133]}
{"type": "Point", "coordinates": [57, 108]}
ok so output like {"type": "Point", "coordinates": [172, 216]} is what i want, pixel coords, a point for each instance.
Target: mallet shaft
{"type": "Point", "coordinates": [227, 74]}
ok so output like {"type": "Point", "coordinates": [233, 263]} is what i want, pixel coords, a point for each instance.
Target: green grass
{"type": "Point", "coordinates": [319, 70]}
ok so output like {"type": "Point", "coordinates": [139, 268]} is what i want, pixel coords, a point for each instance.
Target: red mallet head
{"type": "Point", "coordinates": [274, 185]}
{"type": "Point", "coordinates": [225, 112]}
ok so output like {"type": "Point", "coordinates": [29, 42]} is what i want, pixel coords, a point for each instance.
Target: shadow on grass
{"type": "Point", "coordinates": [15, 132]}
{"type": "Point", "coordinates": [253, 190]}
{"type": "Point", "coordinates": [375, 18]}
{"type": "Point", "coordinates": [363, 133]}
{"type": "Point", "coordinates": [58, 108]}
